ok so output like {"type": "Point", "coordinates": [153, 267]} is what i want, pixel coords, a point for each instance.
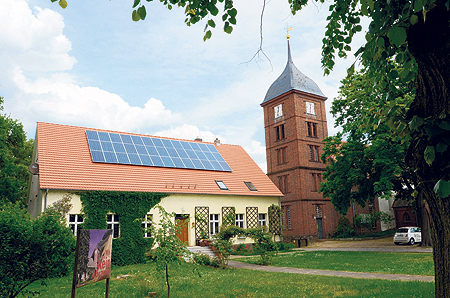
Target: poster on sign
{"type": "Point", "coordinates": [93, 256]}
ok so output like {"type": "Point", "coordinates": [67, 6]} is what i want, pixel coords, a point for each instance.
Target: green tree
{"type": "Point", "coordinates": [32, 248]}
{"type": "Point", "coordinates": [264, 244]}
{"type": "Point", "coordinates": [169, 248]}
{"type": "Point", "coordinates": [15, 158]}
{"type": "Point", "coordinates": [371, 163]}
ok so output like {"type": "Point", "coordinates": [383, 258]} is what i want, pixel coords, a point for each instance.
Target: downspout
{"type": "Point", "coordinates": [45, 199]}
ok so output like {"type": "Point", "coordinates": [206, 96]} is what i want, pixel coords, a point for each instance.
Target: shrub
{"type": "Point", "coordinates": [344, 229]}
{"type": "Point", "coordinates": [285, 246]}
{"type": "Point", "coordinates": [264, 244]}
{"type": "Point", "coordinates": [202, 259]}
{"type": "Point", "coordinates": [32, 248]}
{"type": "Point", "coordinates": [224, 244]}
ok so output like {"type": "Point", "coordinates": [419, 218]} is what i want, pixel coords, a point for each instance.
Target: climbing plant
{"type": "Point", "coordinates": [131, 207]}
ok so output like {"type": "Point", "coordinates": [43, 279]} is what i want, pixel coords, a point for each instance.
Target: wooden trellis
{"type": "Point", "coordinates": [275, 220]}
{"type": "Point", "coordinates": [228, 216]}
{"type": "Point", "coordinates": [201, 222]}
{"type": "Point", "coordinates": [252, 217]}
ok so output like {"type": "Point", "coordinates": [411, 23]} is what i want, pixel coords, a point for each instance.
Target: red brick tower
{"type": "Point", "coordinates": [295, 124]}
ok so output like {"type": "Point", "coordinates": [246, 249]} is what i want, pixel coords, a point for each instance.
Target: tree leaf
{"type": "Point", "coordinates": [441, 147]}
{"type": "Point", "coordinates": [63, 3]}
{"type": "Point", "coordinates": [232, 12]}
{"type": "Point", "coordinates": [207, 35]}
{"type": "Point", "coordinates": [142, 12]}
{"type": "Point", "coordinates": [211, 23]}
{"type": "Point", "coordinates": [442, 188]}
{"type": "Point", "coordinates": [445, 125]}
{"type": "Point", "coordinates": [413, 19]}
{"type": "Point", "coordinates": [429, 154]}
{"type": "Point", "coordinates": [415, 123]}
{"type": "Point", "coordinates": [136, 3]}
{"type": "Point", "coordinates": [418, 5]}
{"type": "Point", "coordinates": [135, 16]}
{"type": "Point", "coordinates": [397, 35]}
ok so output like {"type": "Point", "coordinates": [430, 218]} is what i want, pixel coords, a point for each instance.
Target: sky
{"type": "Point", "coordinates": [90, 65]}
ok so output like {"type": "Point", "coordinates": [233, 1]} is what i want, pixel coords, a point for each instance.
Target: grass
{"type": "Point", "coordinates": [231, 283]}
{"type": "Point", "coordinates": [356, 261]}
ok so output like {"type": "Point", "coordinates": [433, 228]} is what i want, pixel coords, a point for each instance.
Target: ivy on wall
{"type": "Point", "coordinates": [131, 207]}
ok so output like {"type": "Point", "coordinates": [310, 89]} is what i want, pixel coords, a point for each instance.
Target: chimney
{"type": "Point", "coordinates": [217, 142]}
{"type": "Point", "coordinates": [198, 139]}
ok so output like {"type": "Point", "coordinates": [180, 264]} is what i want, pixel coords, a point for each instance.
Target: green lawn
{"type": "Point", "coordinates": [361, 261]}
{"type": "Point", "coordinates": [232, 283]}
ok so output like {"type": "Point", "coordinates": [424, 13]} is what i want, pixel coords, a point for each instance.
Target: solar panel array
{"type": "Point", "coordinates": [149, 151]}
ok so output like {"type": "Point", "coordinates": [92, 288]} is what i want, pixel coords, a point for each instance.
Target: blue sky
{"type": "Point", "coordinates": [91, 65]}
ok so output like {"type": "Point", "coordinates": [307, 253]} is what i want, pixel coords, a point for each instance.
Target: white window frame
{"type": "Point", "coordinates": [214, 221]}
{"type": "Point", "coordinates": [112, 220]}
{"type": "Point", "coordinates": [74, 225]}
{"type": "Point", "coordinates": [262, 219]}
{"type": "Point", "coordinates": [239, 220]}
{"type": "Point", "coordinates": [147, 224]}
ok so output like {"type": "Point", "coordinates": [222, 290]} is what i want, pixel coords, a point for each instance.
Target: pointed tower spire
{"type": "Point", "coordinates": [291, 79]}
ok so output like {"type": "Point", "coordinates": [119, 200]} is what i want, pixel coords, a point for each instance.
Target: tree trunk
{"type": "Point", "coordinates": [424, 221]}
{"type": "Point", "coordinates": [167, 281]}
{"type": "Point", "coordinates": [429, 43]}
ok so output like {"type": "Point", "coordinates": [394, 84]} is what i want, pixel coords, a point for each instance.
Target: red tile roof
{"type": "Point", "coordinates": [65, 163]}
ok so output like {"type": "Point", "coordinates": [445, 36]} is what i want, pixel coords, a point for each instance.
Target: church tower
{"type": "Point", "coordinates": [295, 124]}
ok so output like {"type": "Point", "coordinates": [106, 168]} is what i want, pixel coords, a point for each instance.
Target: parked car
{"type": "Point", "coordinates": [409, 235]}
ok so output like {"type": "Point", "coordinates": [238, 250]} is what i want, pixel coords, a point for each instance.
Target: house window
{"type": "Point", "coordinates": [262, 218]}
{"type": "Point", "coordinates": [406, 217]}
{"type": "Point", "coordinates": [316, 180]}
{"type": "Point", "coordinates": [279, 131]}
{"type": "Point", "coordinates": [314, 153]}
{"type": "Point", "coordinates": [221, 185]}
{"type": "Point", "coordinates": [250, 186]}
{"type": "Point", "coordinates": [213, 224]}
{"type": "Point", "coordinates": [281, 155]}
{"type": "Point", "coordinates": [370, 208]}
{"type": "Point", "coordinates": [283, 183]}
{"type": "Point", "coordinates": [312, 129]}
{"type": "Point", "coordinates": [74, 222]}
{"type": "Point", "coordinates": [113, 223]}
{"type": "Point", "coordinates": [146, 225]}
{"type": "Point", "coordinates": [240, 220]}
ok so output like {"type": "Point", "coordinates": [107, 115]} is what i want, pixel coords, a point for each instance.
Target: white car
{"type": "Point", "coordinates": [409, 235]}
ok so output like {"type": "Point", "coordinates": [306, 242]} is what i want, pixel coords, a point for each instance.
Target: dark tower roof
{"type": "Point", "coordinates": [291, 79]}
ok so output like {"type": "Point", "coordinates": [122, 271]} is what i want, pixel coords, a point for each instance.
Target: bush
{"type": "Point", "coordinates": [32, 248]}
{"type": "Point", "coordinates": [285, 246]}
{"type": "Point", "coordinates": [264, 244]}
{"type": "Point", "coordinates": [202, 259]}
{"type": "Point", "coordinates": [344, 229]}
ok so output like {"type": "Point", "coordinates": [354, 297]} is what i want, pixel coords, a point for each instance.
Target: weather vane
{"type": "Point", "coordinates": [287, 31]}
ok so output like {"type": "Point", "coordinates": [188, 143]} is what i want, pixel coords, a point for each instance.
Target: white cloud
{"type": "Point", "coordinates": [189, 132]}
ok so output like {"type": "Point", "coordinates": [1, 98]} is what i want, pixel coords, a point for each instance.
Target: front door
{"type": "Point", "coordinates": [182, 221]}
{"type": "Point", "coordinates": [319, 228]}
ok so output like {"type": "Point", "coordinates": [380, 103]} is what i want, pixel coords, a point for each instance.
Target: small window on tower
{"type": "Point", "coordinates": [312, 129]}
{"type": "Point", "coordinates": [310, 108]}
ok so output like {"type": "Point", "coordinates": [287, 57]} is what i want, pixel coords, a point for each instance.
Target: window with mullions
{"type": "Point", "coordinates": [146, 225]}
{"type": "Point", "coordinates": [113, 223]}
{"type": "Point", "coordinates": [74, 222]}
{"type": "Point", "coordinates": [281, 155]}
{"type": "Point", "coordinates": [316, 180]}
{"type": "Point", "coordinates": [262, 219]}
{"type": "Point", "coordinates": [283, 183]}
{"type": "Point", "coordinates": [312, 129]}
{"type": "Point", "coordinates": [314, 153]}
{"type": "Point", "coordinates": [279, 131]}
{"type": "Point", "coordinates": [240, 220]}
{"type": "Point", "coordinates": [213, 224]}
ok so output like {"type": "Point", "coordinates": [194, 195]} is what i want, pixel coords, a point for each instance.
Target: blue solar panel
{"type": "Point", "coordinates": [137, 150]}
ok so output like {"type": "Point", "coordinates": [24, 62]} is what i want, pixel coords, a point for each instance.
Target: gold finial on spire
{"type": "Point", "coordinates": [287, 31]}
